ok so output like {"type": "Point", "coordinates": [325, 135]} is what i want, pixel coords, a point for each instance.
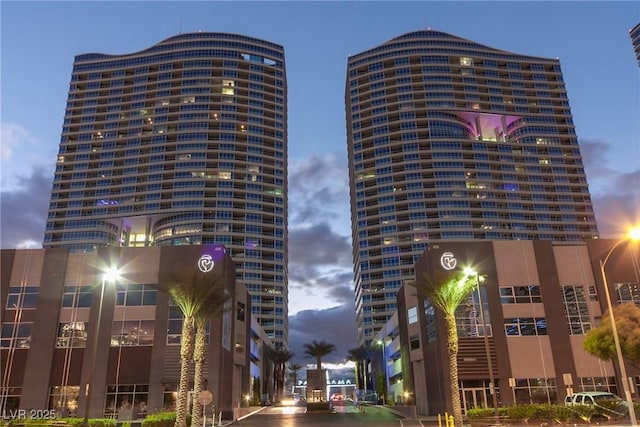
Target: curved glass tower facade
{"type": "Point", "coordinates": [182, 143]}
{"type": "Point", "coordinates": [452, 140]}
{"type": "Point", "coordinates": [634, 33]}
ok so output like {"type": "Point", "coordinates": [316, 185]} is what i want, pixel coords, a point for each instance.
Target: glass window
{"type": "Point", "coordinates": [65, 398]}
{"type": "Point", "coordinates": [576, 309]}
{"type": "Point", "coordinates": [469, 319]}
{"type": "Point", "coordinates": [524, 326]}
{"type": "Point", "coordinates": [16, 335]}
{"type": "Point", "coordinates": [628, 292]}
{"type": "Point", "coordinates": [72, 334]}
{"type": "Point", "coordinates": [174, 323]}
{"type": "Point", "coordinates": [520, 294]}
{"type": "Point", "coordinates": [132, 333]}
{"type": "Point", "coordinates": [127, 396]}
{"type": "Point", "coordinates": [412, 315]}
{"type": "Point", "coordinates": [136, 294]}
{"type": "Point", "coordinates": [22, 297]}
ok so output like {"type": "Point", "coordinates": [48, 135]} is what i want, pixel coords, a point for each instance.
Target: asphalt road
{"type": "Point", "coordinates": [344, 416]}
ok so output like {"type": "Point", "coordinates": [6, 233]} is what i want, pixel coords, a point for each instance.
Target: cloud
{"type": "Point", "coordinates": [20, 153]}
{"type": "Point", "coordinates": [320, 267]}
{"type": "Point", "coordinates": [318, 244]}
{"type": "Point", "coordinates": [23, 211]}
{"type": "Point", "coordinates": [13, 135]}
{"type": "Point", "coordinates": [319, 191]}
{"type": "Point", "coordinates": [615, 193]}
{"type": "Point", "coordinates": [335, 325]}
{"type": "Point", "coordinates": [594, 155]}
{"type": "Point", "coordinates": [618, 206]}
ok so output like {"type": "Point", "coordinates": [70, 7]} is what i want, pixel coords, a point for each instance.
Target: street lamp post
{"type": "Point", "coordinates": [635, 234]}
{"type": "Point", "coordinates": [492, 389]}
{"type": "Point", "coordinates": [109, 276]}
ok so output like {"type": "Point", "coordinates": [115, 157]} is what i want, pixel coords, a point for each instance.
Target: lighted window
{"type": "Point", "coordinates": [412, 315]}
{"type": "Point", "coordinates": [72, 334]}
{"type": "Point", "coordinates": [65, 397]}
{"type": "Point", "coordinates": [132, 333]}
{"type": "Point", "coordinates": [228, 87]}
{"type": "Point", "coordinates": [134, 396]}
{"type": "Point", "coordinates": [466, 61]}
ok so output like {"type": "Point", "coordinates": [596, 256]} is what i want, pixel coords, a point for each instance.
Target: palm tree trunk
{"type": "Point", "coordinates": [280, 382]}
{"type": "Point", "coordinates": [199, 353]}
{"type": "Point", "coordinates": [276, 374]}
{"type": "Point", "coordinates": [186, 352]}
{"type": "Point", "coordinates": [452, 348]}
{"type": "Point", "coordinates": [363, 366]}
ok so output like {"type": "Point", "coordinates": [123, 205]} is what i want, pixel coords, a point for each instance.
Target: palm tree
{"type": "Point", "coordinates": [319, 349]}
{"type": "Point", "coordinates": [215, 302]}
{"type": "Point", "coordinates": [280, 359]}
{"type": "Point", "coordinates": [192, 291]}
{"type": "Point", "coordinates": [360, 356]}
{"type": "Point", "coordinates": [446, 292]}
{"type": "Point", "coordinates": [293, 371]}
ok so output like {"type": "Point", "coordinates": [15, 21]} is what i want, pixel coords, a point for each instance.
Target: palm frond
{"type": "Point", "coordinates": [446, 291]}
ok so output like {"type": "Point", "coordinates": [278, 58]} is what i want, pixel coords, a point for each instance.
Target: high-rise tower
{"type": "Point", "coordinates": [634, 33]}
{"type": "Point", "coordinates": [182, 143]}
{"type": "Point", "coordinates": [452, 140]}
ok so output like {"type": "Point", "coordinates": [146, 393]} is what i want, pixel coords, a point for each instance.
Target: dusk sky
{"type": "Point", "coordinates": [40, 39]}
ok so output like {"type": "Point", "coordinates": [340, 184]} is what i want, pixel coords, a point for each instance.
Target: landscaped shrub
{"type": "Point", "coordinates": [547, 413]}
{"type": "Point", "coordinates": [317, 406]}
{"type": "Point", "coordinates": [522, 412]}
{"type": "Point", "coordinates": [162, 419]}
{"type": "Point", "coordinates": [562, 414]}
{"type": "Point", "coordinates": [72, 422]}
{"type": "Point", "coordinates": [478, 413]}
{"type": "Point", "coordinates": [93, 422]}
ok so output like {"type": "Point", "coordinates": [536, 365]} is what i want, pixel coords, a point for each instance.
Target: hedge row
{"type": "Point", "coordinates": [162, 419]}
{"type": "Point", "coordinates": [561, 414]}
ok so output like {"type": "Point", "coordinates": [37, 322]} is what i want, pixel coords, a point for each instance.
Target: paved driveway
{"type": "Point", "coordinates": [343, 416]}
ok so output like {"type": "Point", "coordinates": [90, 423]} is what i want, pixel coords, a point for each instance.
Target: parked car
{"type": "Point", "coordinates": [608, 401]}
{"type": "Point", "coordinates": [590, 398]}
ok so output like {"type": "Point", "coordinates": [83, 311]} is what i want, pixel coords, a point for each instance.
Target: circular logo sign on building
{"type": "Point", "coordinates": [448, 261]}
{"type": "Point", "coordinates": [205, 263]}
